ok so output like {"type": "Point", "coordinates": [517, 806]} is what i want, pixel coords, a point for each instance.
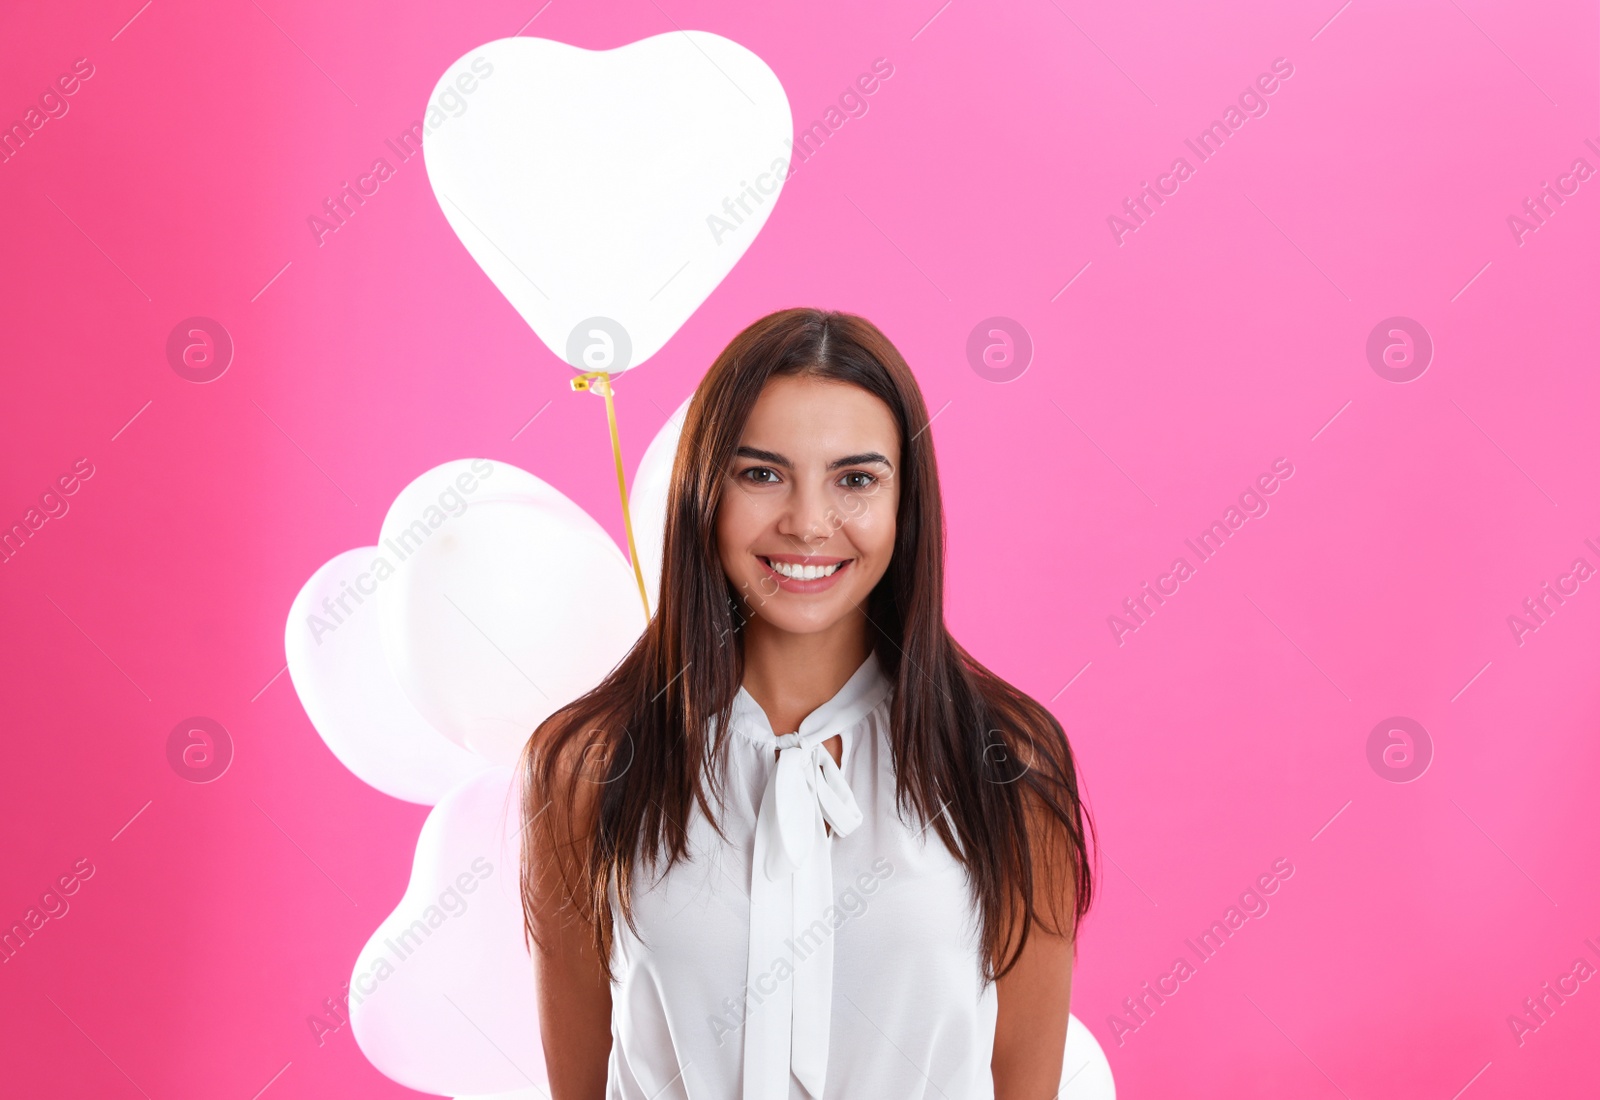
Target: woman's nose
{"type": "Point", "coordinates": [808, 514]}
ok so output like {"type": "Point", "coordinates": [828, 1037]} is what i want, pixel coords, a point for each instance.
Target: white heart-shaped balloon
{"type": "Point", "coordinates": [508, 602]}
{"type": "Point", "coordinates": [338, 670]}
{"type": "Point", "coordinates": [1085, 1073]}
{"type": "Point", "coordinates": [608, 192]}
{"type": "Point", "coordinates": [442, 997]}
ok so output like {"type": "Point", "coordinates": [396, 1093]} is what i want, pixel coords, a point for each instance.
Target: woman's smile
{"type": "Point", "coordinates": [795, 573]}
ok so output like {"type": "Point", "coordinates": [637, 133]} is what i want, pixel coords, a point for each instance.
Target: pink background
{"type": "Point", "coordinates": [1228, 732]}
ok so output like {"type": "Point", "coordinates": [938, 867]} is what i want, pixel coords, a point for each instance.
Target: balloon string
{"type": "Point", "coordinates": [585, 382]}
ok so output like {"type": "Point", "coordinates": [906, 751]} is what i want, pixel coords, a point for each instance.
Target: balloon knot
{"type": "Point", "coordinates": [586, 382]}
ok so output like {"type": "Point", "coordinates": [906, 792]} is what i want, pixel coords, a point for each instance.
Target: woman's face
{"type": "Point", "coordinates": [807, 520]}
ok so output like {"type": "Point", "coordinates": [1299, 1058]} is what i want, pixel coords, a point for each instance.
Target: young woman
{"type": "Point", "coordinates": [849, 861]}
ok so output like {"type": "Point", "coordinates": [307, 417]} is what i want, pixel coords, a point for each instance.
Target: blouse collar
{"type": "Point", "coordinates": [867, 687]}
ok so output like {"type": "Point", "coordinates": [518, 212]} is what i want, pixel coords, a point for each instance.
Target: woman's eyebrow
{"type": "Point", "coordinates": [863, 459]}
{"type": "Point", "coordinates": [765, 456]}
{"type": "Point", "coordinates": [777, 459]}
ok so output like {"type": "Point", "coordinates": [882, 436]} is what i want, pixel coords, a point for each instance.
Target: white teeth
{"type": "Point", "coordinates": [804, 572]}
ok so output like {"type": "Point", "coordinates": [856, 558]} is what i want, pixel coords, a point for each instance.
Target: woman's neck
{"type": "Point", "coordinates": [790, 675]}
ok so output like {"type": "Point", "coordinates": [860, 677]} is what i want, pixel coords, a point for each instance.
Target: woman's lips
{"type": "Point", "coordinates": [791, 584]}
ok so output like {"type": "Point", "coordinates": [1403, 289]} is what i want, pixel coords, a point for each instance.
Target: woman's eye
{"type": "Point", "coordinates": [755, 474]}
{"type": "Point", "coordinates": [866, 479]}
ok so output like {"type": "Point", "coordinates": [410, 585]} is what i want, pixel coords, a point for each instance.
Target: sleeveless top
{"type": "Point", "coordinates": [789, 962]}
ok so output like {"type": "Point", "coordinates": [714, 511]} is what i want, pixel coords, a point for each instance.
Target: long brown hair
{"type": "Point", "coordinates": [634, 750]}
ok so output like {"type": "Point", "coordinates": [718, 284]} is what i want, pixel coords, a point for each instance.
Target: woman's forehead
{"type": "Point", "coordinates": [814, 417]}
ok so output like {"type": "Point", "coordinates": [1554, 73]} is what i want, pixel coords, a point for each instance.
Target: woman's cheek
{"type": "Point", "coordinates": [876, 527]}
{"type": "Point", "coordinates": [739, 521]}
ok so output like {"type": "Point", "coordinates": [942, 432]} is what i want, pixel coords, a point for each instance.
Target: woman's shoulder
{"type": "Point", "coordinates": [564, 769]}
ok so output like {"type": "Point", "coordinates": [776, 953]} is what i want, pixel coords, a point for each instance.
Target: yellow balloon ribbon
{"type": "Point", "coordinates": [601, 380]}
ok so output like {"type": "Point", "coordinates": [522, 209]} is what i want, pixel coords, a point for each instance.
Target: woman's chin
{"type": "Point", "coordinates": [815, 619]}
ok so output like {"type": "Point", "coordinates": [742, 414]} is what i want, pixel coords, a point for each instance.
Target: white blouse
{"type": "Point", "coordinates": [789, 962]}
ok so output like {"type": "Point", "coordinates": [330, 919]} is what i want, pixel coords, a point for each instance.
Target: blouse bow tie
{"type": "Point", "coordinates": [806, 788]}
{"type": "Point", "coordinates": [789, 977]}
